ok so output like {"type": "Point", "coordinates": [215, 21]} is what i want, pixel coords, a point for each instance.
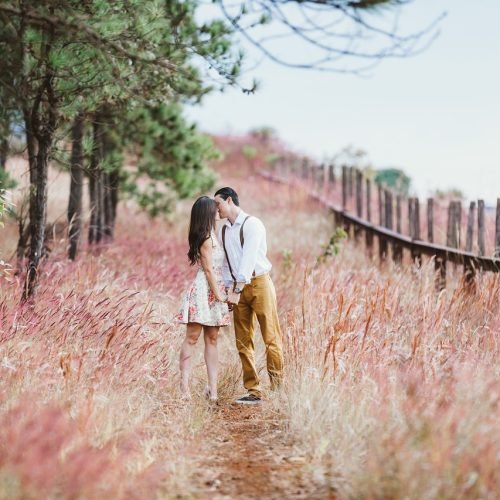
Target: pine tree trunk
{"type": "Point", "coordinates": [4, 140]}
{"type": "Point", "coordinates": [114, 184]}
{"type": "Point", "coordinates": [38, 212]}
{"type": "Point", "coordinates": [108, 208]}
{"type": "Point", "coordinates": [22, 242]}
{"type": "Point", "coordinates": [103, 185]}
{"type": "Point", "coordinates": [40, 124]}
{"type": "Point", "coordinates": [24, 223]}
{"type": "Point", "coordinates": [76, 187]}
{"type": "Point", "coordinates": [110, 186]}
{"type": "Point", "coordinates": [92, 207]}
{"type": "Point", "coordinates": [4, 151]}
{"type": "Point", "coordinates": [95, 184]}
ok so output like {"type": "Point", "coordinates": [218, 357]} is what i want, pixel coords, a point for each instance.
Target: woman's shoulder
{"type": "Point", "coordinates": [210, 242]}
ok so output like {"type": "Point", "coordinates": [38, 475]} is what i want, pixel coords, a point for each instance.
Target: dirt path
{"type": "Point", "coordinates": [251, 457]}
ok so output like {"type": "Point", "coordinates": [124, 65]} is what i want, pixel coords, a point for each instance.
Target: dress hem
{"type": "Point", "coordinates": [203, 324]}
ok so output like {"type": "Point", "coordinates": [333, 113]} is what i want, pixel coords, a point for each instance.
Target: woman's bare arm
{"type": "Point", "coordinates": [206, 264]}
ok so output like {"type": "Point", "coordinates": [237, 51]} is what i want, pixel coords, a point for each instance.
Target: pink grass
{"type": "Point", "coordinates": [391, 391]}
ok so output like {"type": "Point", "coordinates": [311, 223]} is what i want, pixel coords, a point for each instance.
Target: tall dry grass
{"type": "Point", "coordinates": [392, 388]}
{"type": "Point", "coordinates": [89, 400]}
{"type": "Point", "coordinates": [391, 391]}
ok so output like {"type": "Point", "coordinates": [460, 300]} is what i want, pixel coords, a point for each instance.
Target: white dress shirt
{"type": "Point", "coordinates": [252, 257]}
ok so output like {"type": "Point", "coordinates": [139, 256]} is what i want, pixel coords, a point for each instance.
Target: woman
{"type": "Point", "coordinates": [205, 303]}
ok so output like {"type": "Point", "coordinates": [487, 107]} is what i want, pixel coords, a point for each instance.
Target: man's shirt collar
{"type": "Point", "coordinates": [238, 220]}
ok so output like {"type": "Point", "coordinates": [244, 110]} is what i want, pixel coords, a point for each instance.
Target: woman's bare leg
{"type": "Point", "coordinates": [210, 334]}
{"type": "Point", "coordinates": [193, 331]}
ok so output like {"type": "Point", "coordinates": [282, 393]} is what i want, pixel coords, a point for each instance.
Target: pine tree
{"type": "Point", "coordinates": [71, 57]}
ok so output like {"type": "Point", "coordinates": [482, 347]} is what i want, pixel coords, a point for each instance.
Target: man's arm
{"type": "Point", "coordinates": [254, 232]}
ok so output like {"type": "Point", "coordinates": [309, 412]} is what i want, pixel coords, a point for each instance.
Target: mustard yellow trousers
{"type": "Point", "coordinates": [258, 300]}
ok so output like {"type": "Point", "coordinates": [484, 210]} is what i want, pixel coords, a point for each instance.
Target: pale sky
{"type": "Point", "coordinates": [436, 115]}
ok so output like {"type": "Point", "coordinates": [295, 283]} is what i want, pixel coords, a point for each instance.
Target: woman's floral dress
{"type": "Point", "coordinates": [199, 304]}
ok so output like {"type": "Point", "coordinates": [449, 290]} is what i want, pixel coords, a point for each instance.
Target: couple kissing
{"type": "Point", "coordinates": [233, 276]}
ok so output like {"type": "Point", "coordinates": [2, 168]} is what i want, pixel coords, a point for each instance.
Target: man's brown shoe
{"type": "Point", "coordinates": [250, 399]}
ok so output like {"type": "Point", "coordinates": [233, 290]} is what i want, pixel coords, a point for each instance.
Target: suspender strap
{"type": "Point", "coordinates": [242, 236]}
{"type": "Point", "coordinates": [224, 227]}
{"type": "Point", "coordinates": [242, 241]}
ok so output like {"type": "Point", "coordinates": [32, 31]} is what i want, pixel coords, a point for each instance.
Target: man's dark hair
{"type": "Point", "coordinates": [227, 192]}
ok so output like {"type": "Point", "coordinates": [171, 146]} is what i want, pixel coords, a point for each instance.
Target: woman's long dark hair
{"type": "Point", "coordinates": [201, 225]}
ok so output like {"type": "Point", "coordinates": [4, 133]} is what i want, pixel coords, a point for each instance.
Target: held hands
{"type": "Point", "coordinates": [229, 297]}
{"type": "Point", "coordinates": [233, 298]}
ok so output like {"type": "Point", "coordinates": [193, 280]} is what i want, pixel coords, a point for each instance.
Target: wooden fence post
{"type": "Point", "coordinates": [458, 222]}
{"type": "Point", "coordinates": [388, 209]}
{"type": "Point", "coordinates": [439, 266]}
{"type": "Point", "coordinates": [369, 234]}
{"type": "Point", "coordinates": [336, 220]}
{"type": "Point", "coordinates": [344, 187]}
{"type": "Point", "coordinates": [497, 231]}
{"type": "Point", "coordinates": [350, 181]}
{"type": "Point", "coordinates": [368, 200]}
{"type": "Point", "coordinates": [381, 214]}
{"type": "Point", "coordinates": [359, 201]}
{"type": "Point", "coordinates": [452, 236]}
{"type": "Point", "coordinates": [469, 268]}
{"type": "Point", "coordinates": [397, 250]}
{"type": "Point", "coordinates": [480, 227]}
{"type": "Point", "coordinates": [382, 242]}
{"type": "Point", "coordinates": [470, 227]}
{"type": "Point", "coordinates": [382, 248]}
{"type": "Point", "coordinates": [389, 219]}
{"type": "Point", "coordinates": [415, 222]}
{"type": "Point", "coordinates": [417, 218]}
{"type": "Point", "coordinates": [469, 275]}
{"type": "Point", "coordinates": [440, 269]}
{"type": "Point", "coordinates": [331, 174]}
{"type": "Point", "coordinates": [347, 226]}
{"type": "Point", "coordinates": [430, 220]}
{"type": "Point", "coordinates": [411, 226]}
{"type": "Point", "coordinates": [399, 214]}
{"type": "Point", "coordinates": [449, 224]}
{"type": "Point", "coordinates": [359, 193]}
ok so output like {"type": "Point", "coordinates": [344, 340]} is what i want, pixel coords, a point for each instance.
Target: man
{"type": "Point", "coordinates": [247, 274]}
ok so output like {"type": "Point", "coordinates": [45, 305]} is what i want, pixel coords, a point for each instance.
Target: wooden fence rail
{"type": "Point", "coordinates": [389, 229]}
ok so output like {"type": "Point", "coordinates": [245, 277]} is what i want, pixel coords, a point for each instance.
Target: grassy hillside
{"type": "Point", "coordinates": [392, 389]}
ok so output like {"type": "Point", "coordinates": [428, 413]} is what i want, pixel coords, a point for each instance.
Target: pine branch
{"type": "Point", "coordinates": [83, 28]}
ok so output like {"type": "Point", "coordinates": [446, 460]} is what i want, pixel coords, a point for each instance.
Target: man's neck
{"type": "Point", "coordinates": [232, 218]}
